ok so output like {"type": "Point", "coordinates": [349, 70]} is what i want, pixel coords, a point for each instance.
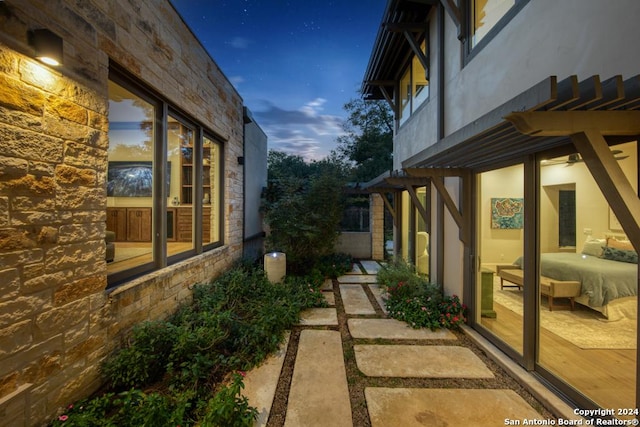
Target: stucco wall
{"type": "Point", "coordinates": [57, 322]}
{"type": "Point", "coordinates": [547, 37]}
{"type": "Point", "coordinates": [255, 163]}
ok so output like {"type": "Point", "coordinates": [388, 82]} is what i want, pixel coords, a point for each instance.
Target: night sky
{"type": "Point", "coordinates": [295, 63]}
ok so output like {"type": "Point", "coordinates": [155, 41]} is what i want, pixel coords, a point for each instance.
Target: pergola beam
{"type": "Point", "coordinates": [565, 123]}
{"type": "Point", "coordinates": [614, 184]}
{"type": "Point", "coordinates": [587, 130]}
{"type": "Point", "coordinates": [419, 206]}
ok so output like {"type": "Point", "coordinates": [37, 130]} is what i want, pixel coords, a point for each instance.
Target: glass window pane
{"type": "Point", "coordinates": [405, 96]}
{"type": "Point", "coordinates": [419, 79]}
{"type": "Point", "coordinates": [486, 14]}
{"type": "Point", "coordinates": [180, 139]}
{"type": "Point", "coordinates": [211, 190]}
{"type": "Point", "coordinates": [587, 330]}
{"type": "Point", "coordinates": [129, 180]}
{"type": "Point", "coordinates": [501, 239]}
{"type": "Point", "coordinates": [422, 237]}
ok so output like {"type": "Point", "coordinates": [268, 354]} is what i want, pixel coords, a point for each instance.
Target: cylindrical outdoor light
{"type": "Point", "coordinates": [275, 265]}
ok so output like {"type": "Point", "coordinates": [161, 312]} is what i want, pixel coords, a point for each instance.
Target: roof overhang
{"type": "Point", "coordinates": [495, 137]}
{"type": "Point", "coordinates": [391, 48]}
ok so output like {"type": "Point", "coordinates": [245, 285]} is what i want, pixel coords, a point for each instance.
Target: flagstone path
{"type": "Point", "coordinates": [352, 366]}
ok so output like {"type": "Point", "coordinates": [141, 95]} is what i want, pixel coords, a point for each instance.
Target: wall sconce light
{"type": "Point", "coordinates": [47, 46]}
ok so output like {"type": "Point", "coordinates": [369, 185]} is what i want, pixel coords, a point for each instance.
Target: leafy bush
{"type": "Point", "coordinates": [143, 363]}
{"type": "Point", "coordinates": [228, 408]}
{"type": "Point", "coordinates": [334, 265]}
{"type": "Point", "coordinates": [169, 369]}
{"type": "Point", "coordinates": [414, 300]}
{"type": "Point", "coordinates": [303, 207]}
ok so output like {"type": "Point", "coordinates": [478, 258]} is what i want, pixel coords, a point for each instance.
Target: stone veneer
{"type": "Point", "coordinates": [57, 321]}
{"type": "Point", "coordinates": [377, 226]}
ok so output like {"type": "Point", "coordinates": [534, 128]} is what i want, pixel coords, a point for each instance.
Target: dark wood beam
{"type": "Point", "coordinates": [613, 183]}
{"type": "Point", "coordinates": [389, 98]}
{"type": "Point", "coordinates": [565, 123]}
{"type": "Point", "coordinates": [434, 172]}
{"type": "Point", "coordinates": [448, 202]}
{"type": "Point", "coordinates": [457, 15]}
{"type": "Point", "coordinates": [419, 206]}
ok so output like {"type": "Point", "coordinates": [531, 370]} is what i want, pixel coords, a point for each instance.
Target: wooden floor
{"type": "Point", "coordinates": [172, 249]}
{"type": "Point", "coordinates": [606, 376]}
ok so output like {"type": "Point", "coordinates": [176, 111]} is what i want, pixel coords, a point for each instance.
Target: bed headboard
{"type": "Point", "coordinates": [617, 236]}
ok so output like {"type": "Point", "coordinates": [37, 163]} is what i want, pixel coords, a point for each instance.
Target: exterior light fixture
{"type": "Point", "coordinates": [47, 46]}
{"type": "Point", "coordinates": [275, 265]}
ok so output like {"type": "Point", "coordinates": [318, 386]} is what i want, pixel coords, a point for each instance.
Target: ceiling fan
{"type": "Point", "coordinates": [574, 158]}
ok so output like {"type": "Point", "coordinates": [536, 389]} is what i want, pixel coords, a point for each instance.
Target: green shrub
{"type": "Point", "coordinates": [144, 361]}
{"type": "Point", "coordinates": [414, 300]}
{"type": "Point", "coordinates": [168, 370]}
{"type": "Point", "coordinates": [303, 207]}
{"type": "Point", "coordinates": [334, 265]}
{"type": "Point", "coordinates": [228, 408]}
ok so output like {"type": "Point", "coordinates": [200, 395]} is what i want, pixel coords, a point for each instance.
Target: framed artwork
{"type": "Point", "coordinates": [507, 212]}
{"type": "Point", "coordinates": [614, 224]}
{"type": "Point", "coordinates": [132, 179]}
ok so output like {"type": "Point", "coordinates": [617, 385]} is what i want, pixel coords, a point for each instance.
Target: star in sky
{"type": "Point", "coordinates": [295, 63]}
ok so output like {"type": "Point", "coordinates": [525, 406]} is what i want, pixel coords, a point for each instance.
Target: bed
{"type": "Point", "coordinates": [608, 286]}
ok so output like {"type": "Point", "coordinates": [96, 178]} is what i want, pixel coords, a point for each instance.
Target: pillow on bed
{"type": "Point", "coordinates": [621, 255]}
{"type": "Point", "coordinates": [593, 247]}
{"type": "Point", "coordinates": [626, 245]}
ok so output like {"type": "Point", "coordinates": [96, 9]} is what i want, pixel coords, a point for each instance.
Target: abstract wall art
{"type": "Point", "coordinates": [507, 213]}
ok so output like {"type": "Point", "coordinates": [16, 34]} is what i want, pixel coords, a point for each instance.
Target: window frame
{"type": "Point", "coordinates": [408, 69]}
{"type": "Point", "coordinates": [469, 51]}
{"type": "Point", "coordinates": [163, 109]}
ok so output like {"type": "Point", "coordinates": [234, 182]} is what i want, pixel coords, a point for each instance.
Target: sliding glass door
{"type": "Point", "coordinates": [588, 303]}
{"type": "Point", "coordinates": [499, 278]}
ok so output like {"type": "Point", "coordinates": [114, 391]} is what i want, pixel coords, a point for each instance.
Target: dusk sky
{"type": "Point", "coordinates": [295, 63]}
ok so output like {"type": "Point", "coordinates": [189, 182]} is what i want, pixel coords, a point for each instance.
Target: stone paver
{"type": "Point", "coordinates": [329, 297]}
{"type": "Point", "coordinates": [419, 361]}
{"type": "Point", "coordinates": [327, 285]}
{"type": "Point", "coordinates": [445, 407]}
{"type": "Point", "coordinates": [378, 293]}
{"type": "Point", "coordinates": [355, 269]}
{"type": "Point", "coordinates": [319, 394]}
{"type": "Point", "coordinates": [357, 278]}
{"type": "Point", "coordinates": [319, 316]}
{"type": "Point", "coordinates": [394, 329]}
{"type": "Point", "coordinates": [260, 383]}
{"type": "Point", "coordinates": [372, 267]}
{"type": "Point", "coordinates": [355, 300]}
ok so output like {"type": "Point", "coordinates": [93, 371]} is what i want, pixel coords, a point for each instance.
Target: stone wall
{"type": "Point", "coordinates": [376, 211]}
{"type": "Point", "coordinates": [57, 322]}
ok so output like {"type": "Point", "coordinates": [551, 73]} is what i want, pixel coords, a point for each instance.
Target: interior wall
{"type": "Point", "coordinates": [499, 245]}
{"type": "Point", "coordinates": [592, 209]}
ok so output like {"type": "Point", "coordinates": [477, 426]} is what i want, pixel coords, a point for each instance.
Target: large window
{"type": "Point", "coordinates": [577, 314]}
{"type": "Point", "coordinates": [164, 178]}
{"type": "Point", "coordinates": [485, 15]}
{"type": "Point", "coordinates": [588, 303]}
{"type": "Point", "coordinates": [414, 86]}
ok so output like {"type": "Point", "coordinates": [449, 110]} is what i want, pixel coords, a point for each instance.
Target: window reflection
{"type": "Point", "coordinates": [486, 14]}
{"type": "Point", "coordinates": [129, 180]}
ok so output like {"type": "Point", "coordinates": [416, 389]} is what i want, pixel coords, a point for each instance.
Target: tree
{"type": "Point", "coordinates": [303, 207]}
{"type": "Point", "coordinates": [368, 142]}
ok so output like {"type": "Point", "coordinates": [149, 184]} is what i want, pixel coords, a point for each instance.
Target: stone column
{"type": "Point", "coordinates": [376, 211]}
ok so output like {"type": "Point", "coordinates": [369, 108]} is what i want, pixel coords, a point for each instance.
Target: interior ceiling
{"type": "Point", "coordinates": [391, 48]}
